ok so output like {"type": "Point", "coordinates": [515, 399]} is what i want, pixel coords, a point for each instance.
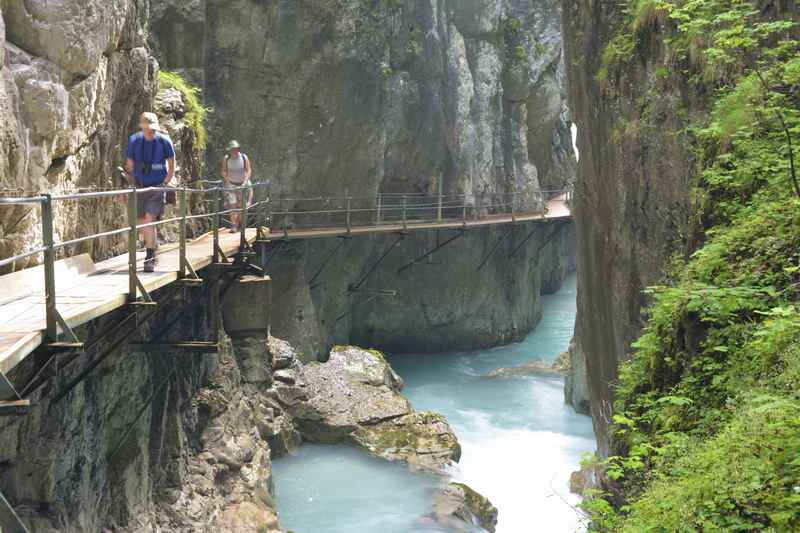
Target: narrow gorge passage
{"type": "Point", "coordinates": [519, 444]}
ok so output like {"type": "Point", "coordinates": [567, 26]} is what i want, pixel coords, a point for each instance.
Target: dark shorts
{"type": "Point", "coordinates": [151, 202]}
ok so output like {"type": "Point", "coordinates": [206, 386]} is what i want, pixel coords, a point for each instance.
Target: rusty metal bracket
{"type": "Point", "coordinates": [502, 238]}
{"type": "Point", "coordinates": [342, 241]}
{"type": "Point", "coordinates": [356, 286]}
{"type": "Point", "coordinates": [9, 521]}
{"type": "Point", "coordinates": [430, 252]}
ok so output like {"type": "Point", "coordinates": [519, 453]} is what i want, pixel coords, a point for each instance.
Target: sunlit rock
{"type": "Point", "coordinates": [462, 509]}
{"type": "Point", "coordinates": [355, 397]}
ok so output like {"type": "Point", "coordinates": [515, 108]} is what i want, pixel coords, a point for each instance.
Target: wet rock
{"type": "Point", "coordinates": [562, 362]}
{"type": "Point", "coordinates": [528, 369]}
{"type": "Point", "coordinates": [424, 440]}
{"type": "Point", "coordinates": [576, 385]}
{"type": "Point", "coordinates": [583, 480]}
{"type": "Point", "coordinates": [462, 509]}
{"type": "Point", "coordinates": [355, 397]}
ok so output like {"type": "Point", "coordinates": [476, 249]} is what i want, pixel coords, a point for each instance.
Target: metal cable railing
{"type": "Point", "coordinates": [256, 209]}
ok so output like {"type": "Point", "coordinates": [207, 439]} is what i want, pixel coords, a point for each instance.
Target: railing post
{"type": "Point", "coordinates": [514, 205]}
{"type": "Point", "coordinates": [439, 208]}
{"type": "Point", "coordinates": [379, 202]}
{"type": "Point", "coordinates": [133, 240]}
{"type": "Point", "coordinates": [284, 207]}
{"type": "Point", "coordinates": [267, 209]}
{"type": "Point", "coordinates": [215, 222]}
{"type": "Point", "coordinates": [405, 221]}
{"type": "Point", "coordinates": [347, 213]}
{"type": "Point", "coordinates": [464, 210]}
{"type": "Point", "coordinates": [51, 329]}
{"type": "Point", "coordinates": [243, 222]}
{"type": "Point", "coordinates": [184, 210]}
{"type": "Point", "coordinates": [541, 204]}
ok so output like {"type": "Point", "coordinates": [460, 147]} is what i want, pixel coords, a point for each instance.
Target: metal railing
{"type": "Point", "coordinates": [49, 248]}
{"type": "Point", "coordinates": [256, 209]}
{"type": "Point", "coordinates": [404, 209]}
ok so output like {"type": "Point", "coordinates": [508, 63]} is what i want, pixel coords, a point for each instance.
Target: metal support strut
{"type": "Point", "coordinates": [503, 237]}
{"type": "Point", "coordinates": [377, 263]}
{"type": "Point", "coordinates": [430, 252]}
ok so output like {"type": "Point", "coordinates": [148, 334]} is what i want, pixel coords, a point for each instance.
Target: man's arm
{"type": "Point", "coordinates": [170, 170]}
{"type": "Point", "coordinates": [224, 169]}
{"type": "Point", "coordinates": [246, 168]}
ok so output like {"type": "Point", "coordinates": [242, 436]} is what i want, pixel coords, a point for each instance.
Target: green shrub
{"type": "Point", "coordinates": [706, 430]}
{"type": "Point", "coordinates": [196, 113]}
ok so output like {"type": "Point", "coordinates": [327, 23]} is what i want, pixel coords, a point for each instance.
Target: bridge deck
{"type": "Point", "coordinates": [85, 290]}
{"type": "Point", "coordinates": [556, 209]}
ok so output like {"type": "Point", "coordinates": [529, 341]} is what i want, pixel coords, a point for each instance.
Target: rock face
{"type": "Point", "coordinates": [632, 194]}
{"type": "Point", "coordinates": [332, 97]}
{"type": "Point", "coordinates": [576, 386]}
{"type": "Point", "coordinates": [170, 442]}
{"type": "Point", "coordinates": [355, 397]}
{"type": "Point", "coordinates": [74, 77]}
{"type": "Point", "coordinates": [462, 509]}
{"type": "Point", "coordinates": [148, 441]}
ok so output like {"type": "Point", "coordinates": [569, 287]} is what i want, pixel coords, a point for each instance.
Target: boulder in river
{"type": "Point", "coordinates": [355, 397]}
{"type": "Point", "coordinates": [462, 509]}
{"type": "Point", "coordinates": [532, 368]}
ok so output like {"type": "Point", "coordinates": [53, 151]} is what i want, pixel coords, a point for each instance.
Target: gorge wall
{"type": "Point", "coordinates": [632, 193]}
{"type": "Point", "coordinates": [360, 96]}
{"type": "Point", "coordinates": [74, 77]}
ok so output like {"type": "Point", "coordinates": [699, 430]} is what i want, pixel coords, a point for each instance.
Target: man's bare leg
{"type": "Point", "coordinates": [149, 236]}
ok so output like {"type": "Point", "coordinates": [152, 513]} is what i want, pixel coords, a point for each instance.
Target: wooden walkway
{"type": "Point", "coordinates": [85, 290]}
{"type": "Point", "coordinates": [557, 208]}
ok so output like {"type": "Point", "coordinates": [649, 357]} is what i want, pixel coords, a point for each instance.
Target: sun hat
{"type": "Point", "coordinates": [151, 119]}
{"type": "Point", "coordinates": [233, 144]}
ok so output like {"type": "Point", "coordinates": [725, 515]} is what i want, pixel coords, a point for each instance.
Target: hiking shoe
{"type": "Point", "coordinates": [150, 261]}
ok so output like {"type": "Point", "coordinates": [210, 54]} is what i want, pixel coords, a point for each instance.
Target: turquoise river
{"type": "Point", "coordinates": [520, 443]}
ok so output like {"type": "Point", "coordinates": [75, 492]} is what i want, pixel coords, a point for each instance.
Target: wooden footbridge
{"type": "Point", "coordinates": [40, 307]}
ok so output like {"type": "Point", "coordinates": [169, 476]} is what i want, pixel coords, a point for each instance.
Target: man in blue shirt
{"type": "Point", "coordinates": [151, 161]}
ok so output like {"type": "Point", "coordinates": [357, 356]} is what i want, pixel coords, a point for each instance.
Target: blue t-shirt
{"type": "Point", "coordinates": [153, 153]}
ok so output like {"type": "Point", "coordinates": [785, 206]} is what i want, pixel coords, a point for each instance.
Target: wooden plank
{"type": "Point", "coordinates": [86, 292]}
{"type": "Point", "coordinates": [23, 282]}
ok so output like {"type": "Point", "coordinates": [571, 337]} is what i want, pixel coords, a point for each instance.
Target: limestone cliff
{"type": "Point", "coordinates": [360, 96]}
{"type": "Point", "coordinates": [632, 193]}
{"type": "Point", "coordinates": [73, 78]}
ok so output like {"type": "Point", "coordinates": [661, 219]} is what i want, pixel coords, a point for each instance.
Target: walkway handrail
{"type": "Point", "coordinates": [49, 247]}
{"type": "Point", "coordinates": [388, 208]}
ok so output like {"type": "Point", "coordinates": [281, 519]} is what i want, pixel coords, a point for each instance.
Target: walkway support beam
{"type": "Point", "coordinates": [51, 328]}
{"type": "Point", "coordinates": [184, 211]}
{"type": "Point", "coordinates": [133, 239]}
{"type": "Point", "coordinates": [9, 521]}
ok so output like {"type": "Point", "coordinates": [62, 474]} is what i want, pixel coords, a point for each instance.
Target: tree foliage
{"type": "Point", "coordinates": [707, 423]}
